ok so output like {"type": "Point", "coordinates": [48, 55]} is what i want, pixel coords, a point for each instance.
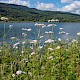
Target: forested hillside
{"type": "Point", "coordinates": [23, 13]}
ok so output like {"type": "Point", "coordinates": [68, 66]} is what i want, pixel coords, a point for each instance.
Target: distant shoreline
{"type": "Point", "coordinates": [43, 21]}
{"type": "Point", "coordinates": [25, 14]}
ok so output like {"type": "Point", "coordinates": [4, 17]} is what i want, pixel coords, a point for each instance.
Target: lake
{"type": "Point", "coordinates": [31, 30]}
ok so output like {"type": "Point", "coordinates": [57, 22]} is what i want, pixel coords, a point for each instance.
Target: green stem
{"type": "Point", "coordinates": [4, 29]}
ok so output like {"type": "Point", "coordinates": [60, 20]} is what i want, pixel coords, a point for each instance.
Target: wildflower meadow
{"type": "Point", "coordinates": [39, 60]}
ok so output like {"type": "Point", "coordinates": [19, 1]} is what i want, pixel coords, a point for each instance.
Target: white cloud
{"type": "Point", "coordinates": [46, 6]}
{"type": "Point", "coordinates": [66, 1]}
{"type": "Point", "coordinates": [77, 11]}
{"type": "Point", "coordinates": [18, 2]}
{"type": "Point", "coordinates": [71, 7]}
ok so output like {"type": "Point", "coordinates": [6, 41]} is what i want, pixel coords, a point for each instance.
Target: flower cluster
{"type": "Point", "coordinates": [4, 18]}
{"type": "Point", "coordinates": [49, 41]}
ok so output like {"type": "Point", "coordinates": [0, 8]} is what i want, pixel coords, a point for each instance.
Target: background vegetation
{"type": "Point", "coordinates": [23, 13]}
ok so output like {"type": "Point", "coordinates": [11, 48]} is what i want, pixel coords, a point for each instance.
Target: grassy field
{"type": "Point", "coordinates": [50, 61]}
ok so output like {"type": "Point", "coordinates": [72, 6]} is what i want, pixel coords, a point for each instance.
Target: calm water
{"type": "Point", "coordinates": [16, 31]}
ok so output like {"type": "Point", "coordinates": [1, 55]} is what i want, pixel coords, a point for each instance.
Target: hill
{"type": "Point", "coordinates": [23, 13]}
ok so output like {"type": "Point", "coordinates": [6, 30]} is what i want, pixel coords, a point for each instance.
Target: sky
{"type": "Point", "coordinates": [72, 6]}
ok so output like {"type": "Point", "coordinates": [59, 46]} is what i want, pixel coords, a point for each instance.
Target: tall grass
{"type": "Point", "coordinates": [60, 61]}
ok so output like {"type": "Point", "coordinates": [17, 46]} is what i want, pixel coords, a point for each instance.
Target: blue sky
{"type": "Point", "coordinates": [72, 6]}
